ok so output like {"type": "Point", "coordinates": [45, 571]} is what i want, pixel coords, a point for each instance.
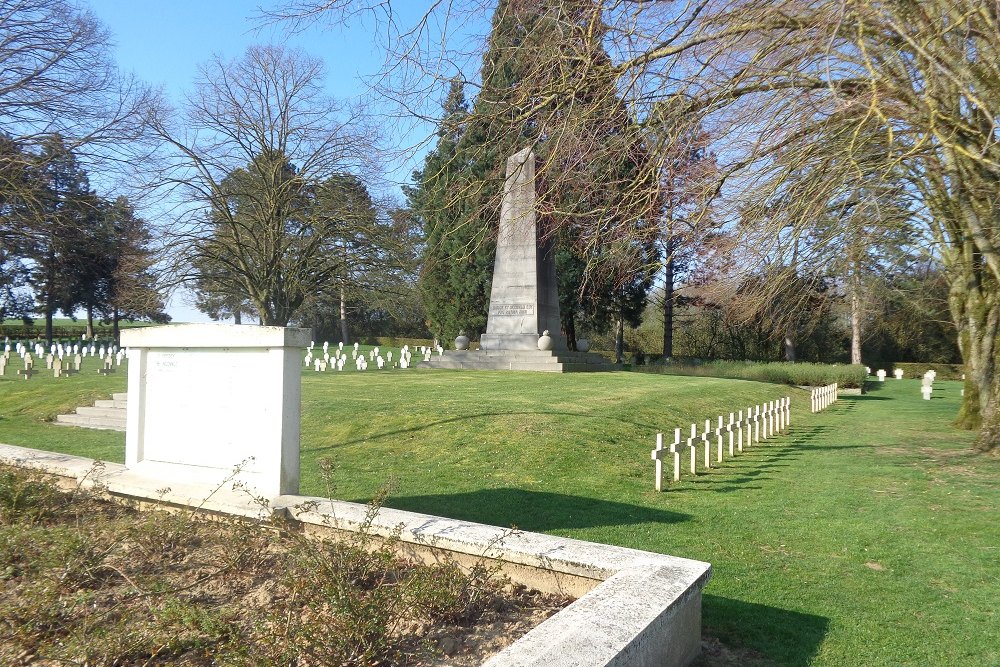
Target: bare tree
{"type": "Point", "coordinates": [260, 140]}
{"type": "Point", "coordinates": [58, 83]}
{"type": "Point", "coordinates": [57, 77]}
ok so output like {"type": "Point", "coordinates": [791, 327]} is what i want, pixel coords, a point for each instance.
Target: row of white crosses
{"type": "Point", "coordinates": [880, 373]}
{"type": "Point", "coordinates": [361, 361]}
{"type": "Point", "coordinates": [759, 423]}
{"type": "Point", "coordinates": [59, 357]}
{"type": "Point", "coordinates": [821, 398]}
{"type": "Point", "coordinates": [61, 351]}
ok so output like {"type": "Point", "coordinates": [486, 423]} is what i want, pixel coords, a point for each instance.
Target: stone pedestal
{"type": "Point", "coordinates": [206, 399]}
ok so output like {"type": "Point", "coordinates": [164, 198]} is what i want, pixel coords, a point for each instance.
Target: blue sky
{"type": "Point", "coordinates": [163, 43]}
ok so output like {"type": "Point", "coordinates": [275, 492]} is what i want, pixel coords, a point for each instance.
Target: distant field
{"type": "Point", "coordinates": [63, 328]}
{"type": "Point", "coordinates": [867, 537]}
{"type": "Point", "coordinates": [67, 322]}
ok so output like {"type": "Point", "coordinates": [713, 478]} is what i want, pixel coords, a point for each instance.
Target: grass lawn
{"type": "Point", "coordinates": [867, 537]}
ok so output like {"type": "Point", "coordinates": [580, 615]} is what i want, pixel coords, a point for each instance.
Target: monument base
{"type": "Point", "coordinates": [549, 361]}
{"type": "Point", "coordinates": [497, 343]}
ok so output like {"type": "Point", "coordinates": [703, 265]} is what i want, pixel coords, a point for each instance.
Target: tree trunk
{"type": "Point", "coordinates": [570, 326]}
{"type": "Point", "coordinates": [90, 321]}
{"type": "Point", "coordinates": [789, 343]}
{"type": "Point", "coordinates": [48, 325]}
{"type": "Point", "coordinates": [50, 281]}
{"type": "Point", "coordinates": [114, 324]}
{"type": "Point", "coordinates": [237, 316]}
{"type": "Point", "coordinates": [976, 312]}
{"type": "Point", "coordinates": [855, 322]}
{"type": "Point", "coordinates": [620, 341]}
{"type": "Point", "coordinates": [668, 304]}
{"type": "Point", "coordinates": [343, 318]}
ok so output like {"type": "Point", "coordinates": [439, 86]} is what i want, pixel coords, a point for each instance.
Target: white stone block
{"type": "Point", "coordinates": [205, 399]}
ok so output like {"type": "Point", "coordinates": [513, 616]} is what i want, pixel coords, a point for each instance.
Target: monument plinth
{"type": "Point", "coordinates": [524, 300]}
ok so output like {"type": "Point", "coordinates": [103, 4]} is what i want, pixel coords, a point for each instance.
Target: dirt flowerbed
{"type": "Point", "coordinates": [88, 581]}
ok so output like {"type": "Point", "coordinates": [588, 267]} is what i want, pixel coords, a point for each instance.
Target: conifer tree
{"type": "Point", "coordinates": [457, 256]}
{"type": "Point", "coordinates": [56, 223]}
{"type": "Point", "coordinates": [589, 151]}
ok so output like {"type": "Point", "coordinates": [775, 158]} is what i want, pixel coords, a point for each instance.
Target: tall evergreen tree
{"type": "Point", "coordinates": [133, 291]}
{"type": "Point", "coordinates": [457, 257]}
{"type": "Point", "coordinates": [16, 189]}
{"type": "Point", "coordinates": [588, 149]}
{"type": "Point", "coordinates": [60, 214]}
{"type": "Point", "coordinates": [88, 269]}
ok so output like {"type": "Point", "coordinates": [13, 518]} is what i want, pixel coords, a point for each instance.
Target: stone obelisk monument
{"type": "Point", "coordinates": [524, 301]}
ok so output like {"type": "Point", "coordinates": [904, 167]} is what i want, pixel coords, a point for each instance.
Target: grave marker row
{"type": "Point", "coordinates": [760, 423]}
{"type": "Point", "coordinates": [361, 360]}
{"type": "Point", "coordinates": [821, 398]}
{"type": "Point", "coordinates": [61, 367]}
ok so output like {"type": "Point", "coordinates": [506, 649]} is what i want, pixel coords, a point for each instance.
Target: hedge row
{"type": "Point", "coordinates": [59, 332]}
{"type": "Point", "coordinates": [916, 370]}
{"type": "Point", "coordinates": [393, 341]}
{"type": "Point", "coordinates": [798, 374]}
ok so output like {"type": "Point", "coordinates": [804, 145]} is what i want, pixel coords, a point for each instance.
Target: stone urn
{"type": "Point", "coordinates": [462, 341]}
{"type": "Point", "coordinates": [582, 345]}
{"type": "Point", "coordinates": [545, 341]}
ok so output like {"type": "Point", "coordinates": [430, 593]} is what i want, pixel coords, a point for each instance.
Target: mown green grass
{"type": "Point", "coordinates": [27, 408]}
{"type": "Point", "coordinates": [866, 537]}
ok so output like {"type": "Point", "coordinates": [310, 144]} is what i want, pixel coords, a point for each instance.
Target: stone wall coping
{"type": "Point", "coordinates": [560, 554]}
{"type": "Point", "coordinates": [625, 620]}
{"type": "Point", "coordinates": [214, 336]}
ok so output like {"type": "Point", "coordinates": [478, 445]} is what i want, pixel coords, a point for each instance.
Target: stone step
{"type": "Point", "coordinates": [569, 364]}
{"type": "Point", "coordinates": [528, 355]}
{"type": "Point", "coordinates": [110, 403]}
{"type": "Point", "coordinates": [106, 414]}
{"type": "Point", "coordinates": [104, 423]}
{"type": "Point", "coordinates": [110, 413]}
{"type": "Point", "coordinates": [491, 365]}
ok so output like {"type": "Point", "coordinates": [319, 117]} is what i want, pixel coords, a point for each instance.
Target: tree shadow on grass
{"type": "Point", "coordinates": [779, 635]}
{"type": "Point", "coordinates": [535, 511]}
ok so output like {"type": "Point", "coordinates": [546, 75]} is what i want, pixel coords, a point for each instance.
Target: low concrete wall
{"type": "Point", "coordinates": [634, 608]}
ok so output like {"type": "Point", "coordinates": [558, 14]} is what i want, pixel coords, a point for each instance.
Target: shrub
{"type": "Point", "coordinates": [25, 497]}
{"type": "Point", "coordinates": [393, 341]}
{"type": "Point", "coordinates": [916, 370]}
{"type": "Point", "coordinates": [798, 374]}
{"type": "Point", "coordinates": [90, 581]}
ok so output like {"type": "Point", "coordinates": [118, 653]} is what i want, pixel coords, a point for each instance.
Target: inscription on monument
{"type": "Point", "coordinates": [512, 309]}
